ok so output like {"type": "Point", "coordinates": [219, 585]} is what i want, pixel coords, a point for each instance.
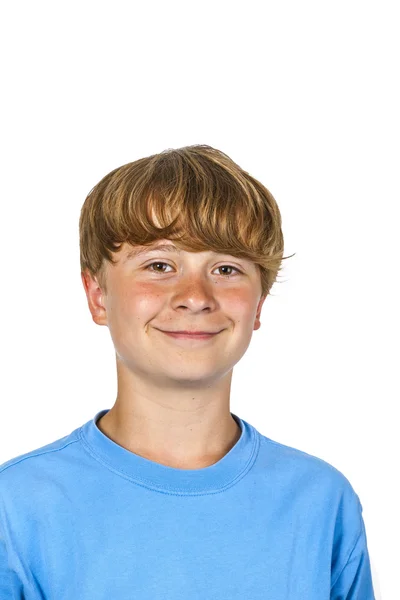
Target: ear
{"type": "Point", "coordinates": [94, 295]}
{"type": "Point", "coordinates": [257, 323]}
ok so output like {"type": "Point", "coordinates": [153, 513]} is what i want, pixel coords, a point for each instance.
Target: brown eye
{"type": "Point", "coordinates": [157, 263]}
{"type": "Point", "coordinates": [228, 267]}
{"type": "Point", "coordinates": [149, 267]}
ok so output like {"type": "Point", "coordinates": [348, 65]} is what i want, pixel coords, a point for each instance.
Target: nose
{"type": "Point", "coordinates": [195, 292]}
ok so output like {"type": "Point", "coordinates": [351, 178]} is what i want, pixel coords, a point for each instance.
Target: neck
{"type": "Point", "coordinates": [176, 425]}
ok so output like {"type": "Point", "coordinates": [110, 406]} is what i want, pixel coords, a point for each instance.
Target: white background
{"type": "Point", "coordinates": [304, 96]}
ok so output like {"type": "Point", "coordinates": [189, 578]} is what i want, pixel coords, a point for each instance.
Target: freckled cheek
{"type": "Point", "coordinates": [239, 303]}
{"type": "Point", "coordinates": [140, 304]}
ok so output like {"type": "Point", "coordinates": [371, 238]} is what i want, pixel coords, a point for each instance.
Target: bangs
{"type": "Point", "coordinates": [196, 196]}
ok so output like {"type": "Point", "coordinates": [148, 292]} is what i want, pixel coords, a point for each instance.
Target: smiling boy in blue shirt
{"type": "Point", "coordinates": [168, 494]}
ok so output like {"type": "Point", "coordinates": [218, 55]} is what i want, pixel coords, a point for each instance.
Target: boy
{"type": "Point", "coordinates": [168, 495]}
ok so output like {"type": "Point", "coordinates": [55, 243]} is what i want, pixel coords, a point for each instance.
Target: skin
{"type": "Point", "coordinates": [173, 396]}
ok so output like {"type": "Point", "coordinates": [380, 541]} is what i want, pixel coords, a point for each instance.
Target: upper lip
{"type": "Point", "coordinates": [193, 332]}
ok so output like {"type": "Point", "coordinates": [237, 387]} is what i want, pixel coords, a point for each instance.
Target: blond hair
{"type": "Point", "coordinates": [200, 198]}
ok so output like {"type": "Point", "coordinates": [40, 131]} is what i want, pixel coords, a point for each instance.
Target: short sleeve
{"type": "Point", "coordinates": [355, 580]}
{"type": "Point", "coordinates": [10, 586]}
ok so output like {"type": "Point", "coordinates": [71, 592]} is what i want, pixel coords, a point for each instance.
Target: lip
{"type": "Point", "coordinates": [185, 332]}
{"type": "Point", "coordinates": [190, 336]}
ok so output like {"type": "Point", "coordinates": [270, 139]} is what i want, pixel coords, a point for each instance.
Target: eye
{"type": "Point", "coordinates": [229, 267]}
{"type": "Point", "coordinates": [166, 264]}
{"type": "Point", "coordinates": [156, 263]}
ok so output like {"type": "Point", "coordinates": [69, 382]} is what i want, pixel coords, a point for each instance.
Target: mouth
{"type": "Point", "coordinates": [185, 335]}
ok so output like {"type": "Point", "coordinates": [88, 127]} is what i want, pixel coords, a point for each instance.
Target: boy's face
{"type": "Point", "coordinates": [192, 291]}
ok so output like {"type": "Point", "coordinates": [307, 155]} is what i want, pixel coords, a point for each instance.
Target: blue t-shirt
{"type": "Point", "coordinates": [83, 518]}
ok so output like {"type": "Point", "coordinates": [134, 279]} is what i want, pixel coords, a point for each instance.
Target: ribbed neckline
{"type": "Point", "coordinates": [224, 473]}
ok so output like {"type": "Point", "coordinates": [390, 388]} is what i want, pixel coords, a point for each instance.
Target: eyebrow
{"type": "Point", "coordinates": [135, 252]}
{"type": "Point", "coordinates": [138, 251]}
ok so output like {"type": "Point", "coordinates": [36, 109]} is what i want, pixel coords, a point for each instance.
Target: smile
{"type": "Point", "coordinates": [193, 336]}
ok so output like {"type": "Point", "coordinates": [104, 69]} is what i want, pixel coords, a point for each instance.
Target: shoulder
{"type": "Point", "coordinates": [289, 456]}
{"type": "Point", "coordinates": [25, 472]}
{"type": "Point", "coordinates": [306, 474]}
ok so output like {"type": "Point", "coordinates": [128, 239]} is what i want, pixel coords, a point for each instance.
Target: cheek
{"type": "Point", "coordinates": [240, 304]}
{"type": "Point", "coordinates": [137, 303]}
